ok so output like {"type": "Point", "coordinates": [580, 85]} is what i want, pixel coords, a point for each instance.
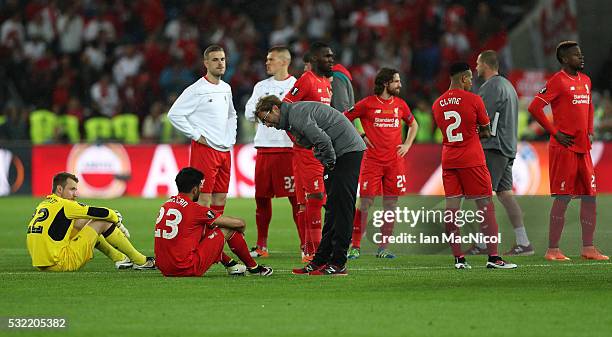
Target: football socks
{"type": "Point", "coordinates": [108, 250]}
{"type": "Point", "coordinates": [557, 221]}
{"type": "Point", "coordinates": [239, 247]}
{"type": "Point", "coordinates": [313, 224]}
{"type": "Point", "coordinates": [588, 220]}
{"type": "Point", "coordinates": [263, 215]}
{"type": "Point", "coordinates": [118, 240]}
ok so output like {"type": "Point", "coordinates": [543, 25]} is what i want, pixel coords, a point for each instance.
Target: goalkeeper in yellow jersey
{"type": "Point", "coordinates": [63, 232]}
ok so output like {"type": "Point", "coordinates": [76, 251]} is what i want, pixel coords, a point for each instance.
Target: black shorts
{"type": "Point", "coordinates": [500, 168]}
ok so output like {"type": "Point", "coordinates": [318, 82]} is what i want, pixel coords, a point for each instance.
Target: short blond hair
{"type": "Point", "coordinates": [282, 51]}
{"type": "Point", "coordinates": [489, 57]}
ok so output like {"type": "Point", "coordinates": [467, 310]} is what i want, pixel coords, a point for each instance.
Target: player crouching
{"type": "Point", "coordinates": [189, 238]}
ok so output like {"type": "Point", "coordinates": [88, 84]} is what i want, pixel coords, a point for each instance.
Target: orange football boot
{"type": "Point", "coordinates": [259, 252]}
{"type": "Point", "coordinates": [555, 254]}
{"type": "Point", "coordinates": [591, 253]}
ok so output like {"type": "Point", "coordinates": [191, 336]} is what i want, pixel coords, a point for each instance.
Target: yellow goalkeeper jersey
{"type": "Point", "coordinates": [51, 225]}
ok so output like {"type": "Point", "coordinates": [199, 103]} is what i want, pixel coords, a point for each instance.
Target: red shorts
{"type": "Point", "coordinates": [470, 182]}
{"type": "Point", "coordinates": [274, 172]}
{"type": "Point", "coordinates": [207, 252]}
{"type": "Point", "coordinates": [216, 166]}
{"type": "Point", "coordinates": [570, 173]}
{"type": "Point", "coordinates": [308, 173]}
{"type": "Point", "coordinates": [388, 179]}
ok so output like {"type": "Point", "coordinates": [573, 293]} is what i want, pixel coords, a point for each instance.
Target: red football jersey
{"type": "Point", "coordinates": [178, 230]}
{"type": "Point", "coordinates": [458, 114]}
{"type": "Point", "coordinates": [310, 87]}
{"type": "Point", "coordinates": [380, 119]}
{"type": "Point", "coordinates": [570, 99]}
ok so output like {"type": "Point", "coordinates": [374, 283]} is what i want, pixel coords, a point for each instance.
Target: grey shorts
{"type": "Point", "coordinates": [500, 168]}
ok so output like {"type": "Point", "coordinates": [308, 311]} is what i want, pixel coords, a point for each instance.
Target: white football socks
{"type": "Point", "coordinates": [521, 236]}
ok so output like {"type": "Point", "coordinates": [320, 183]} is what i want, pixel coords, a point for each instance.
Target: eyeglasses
{"type": "Point", "coordinates": [263, 119]}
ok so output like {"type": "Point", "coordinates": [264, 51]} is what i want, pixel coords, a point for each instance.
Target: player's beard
{"type": "Point", "coordinates": [196, 197]}
{"type": "Point", "coordinates": [218, 72]}
{"type": "Point", "coordinates": [327, 71]}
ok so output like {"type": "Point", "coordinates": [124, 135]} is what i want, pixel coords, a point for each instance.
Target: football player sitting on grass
{"type": "Point", "coordinates": [189, 237]}
{"type": "Point", "coordinates": [63, 232]}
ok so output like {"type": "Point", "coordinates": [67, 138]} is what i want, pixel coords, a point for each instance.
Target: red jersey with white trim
{"type": "Point", "coordinates": [178, 230]}
{"type": "Point", "coordinates": [458, 113]}
{"type": "Point", "coordinates": [570, 99]}
{"type": "Point", "coordinates": [380, 119]}
{"type": "Point", "coordinates": [310, 87]}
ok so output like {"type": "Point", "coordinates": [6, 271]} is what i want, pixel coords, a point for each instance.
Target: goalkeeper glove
{"type": "Point", "coordinates": [120, 224]}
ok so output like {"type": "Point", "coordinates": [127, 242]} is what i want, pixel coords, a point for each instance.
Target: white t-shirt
{"type": "Point", "coordinates": [265, 136]}
{"type": "Point", "coordinates": [206, 109]}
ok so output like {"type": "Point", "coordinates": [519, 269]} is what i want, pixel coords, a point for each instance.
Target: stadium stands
{"type": "Point", "coordinates": [104, 58]}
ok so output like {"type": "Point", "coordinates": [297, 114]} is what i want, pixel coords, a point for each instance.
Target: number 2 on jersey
{"type": "Point", "coordinates": [173, 224]}
{"type": "Point", "coordinates": [449, 129]}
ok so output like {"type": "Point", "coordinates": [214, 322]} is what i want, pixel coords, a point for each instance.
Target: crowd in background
{"type": "Point", "coordinates": [93, 58]}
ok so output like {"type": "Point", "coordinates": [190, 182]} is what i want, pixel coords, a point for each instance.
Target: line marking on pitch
{"type": "Point", "coordinates": [473, 267]}
{"type": "Point", "coordinates": [588, 264]}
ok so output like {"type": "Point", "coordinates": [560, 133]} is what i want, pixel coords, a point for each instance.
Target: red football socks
{"type": "Point", "coordinates": [239, 247]}
{"type": "Point", "coordinates": [358, 227]}
{"type": "Point", "coordinates": [301, 227]}
{"type": "Point", "coordinates": [451, 228]}
{"type": "Point", "coordinates": [489, 228]}
{"type": "Point", "coordinates": [263, 215]}
{"type": "Point", "coordinates": [297, 218]}
{"type": "Point", "coordinates": [557, 221]}
{"type": "Point", "coordinates": [588, 220]}
{"type": "Point", "coordinates": [386, 230]}
{"type": "Point", "coordinates": [313, 224]}
{"type": "Point", "coordinates": [225, 259]}
{"type": "Point", "coordinates": [218, 208]}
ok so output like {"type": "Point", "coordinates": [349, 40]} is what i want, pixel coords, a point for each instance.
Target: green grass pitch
{"type": "Point", "coordinates": [413, 295]}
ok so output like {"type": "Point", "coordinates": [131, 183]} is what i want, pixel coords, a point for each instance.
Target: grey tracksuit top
{"type": "Point", "coordinates": [317, 125]}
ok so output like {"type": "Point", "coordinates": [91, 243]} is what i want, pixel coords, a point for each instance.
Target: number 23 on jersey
{"type": "Point", "coordinates": [173, 218]}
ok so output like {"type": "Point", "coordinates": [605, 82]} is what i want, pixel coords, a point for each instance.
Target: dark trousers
{"type": "Point", "coordinates": [341, 188]}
